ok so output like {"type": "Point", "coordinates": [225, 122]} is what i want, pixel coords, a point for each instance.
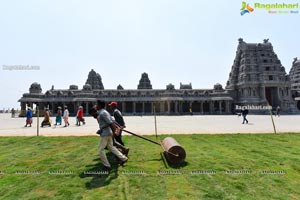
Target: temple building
{"type": "Point", "coordinates": [256, 78]}
{"type": "Point", "coordinates": [295, 81]}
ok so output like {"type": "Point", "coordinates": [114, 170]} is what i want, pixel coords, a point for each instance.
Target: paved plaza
{"type": "Point", "coordinates": [208, 124]}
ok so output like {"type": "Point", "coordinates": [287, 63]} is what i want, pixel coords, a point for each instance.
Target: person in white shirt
{"type": "Point", "coordinates": [66, 116]}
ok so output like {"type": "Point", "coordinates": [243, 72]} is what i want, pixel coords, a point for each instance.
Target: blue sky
{"type": "Point", "coordinates": [173, 41]}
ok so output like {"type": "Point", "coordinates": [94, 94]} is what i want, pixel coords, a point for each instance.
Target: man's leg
{"type": "Point", "coordinates": [103, 142]}
{"type": "Point", "coordinates": [115, 151]}
{"type": "Point", "coordinates": [119, 146]}
{"type": "Point", "coordinates": [65, 120]}
{"type": "Point", "coordinates": [119, 138]}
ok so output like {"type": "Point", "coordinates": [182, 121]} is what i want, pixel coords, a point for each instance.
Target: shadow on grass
{"type": "Point", "coordinates": [181, 165]}
{"type": "Point", "coordinates": [168, 164]}
{"type": "Point", "coordinates": [100, 178]}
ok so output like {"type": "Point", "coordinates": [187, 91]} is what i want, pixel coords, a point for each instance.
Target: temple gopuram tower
{"type": "Point", "coordinates": [144, 82]}
{"type": "Point", "coordinates": [258, 78]}
{"type": "Point", "coordinates": [94, 80]}
{"type": "Point", "coordinates": [295, 81]}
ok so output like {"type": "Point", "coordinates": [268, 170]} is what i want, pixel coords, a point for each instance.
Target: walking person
{"type": "Point", "coordinates": [79, 116]}
{"type": "Point", "coordinates": [28, 117]}
{"type": "Point", "coordinates": [66, 116]}
{"type": "Point", "coordinates": [13, 112]}
{"type": "Point", "coordinates": [278, 111]}
{"type": "Point", "coordinates": [244, 114]}
{"type": "Point", "coordinates": [120, 121]}
{"type": "Point", "coordinates": [107, 126]}
{"type": "Point", "coordinates": [46, 121]}
{"type": "Point", "coordinates": [58, 116]}
{"type": "Point", "coordinates": [191, 111]}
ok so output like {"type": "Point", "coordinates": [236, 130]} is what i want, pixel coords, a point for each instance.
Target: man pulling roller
{"type": "Point", "coordinates": [106, 134]}
{"type": "Point", "coordinates": [119, 119]}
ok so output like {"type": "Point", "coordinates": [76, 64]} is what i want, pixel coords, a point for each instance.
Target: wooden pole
{"type": "Point", "coordinates": [154, 112]}
{"type": "Point", "coordinates": [270, 109]}
{"type": "Point", "coordinates": [38, 121]}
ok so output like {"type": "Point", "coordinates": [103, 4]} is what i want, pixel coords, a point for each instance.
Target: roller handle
{"type": "Point", "coordinates": [150, 141]}
{"type": "Point", "coordinates": [141, 137]}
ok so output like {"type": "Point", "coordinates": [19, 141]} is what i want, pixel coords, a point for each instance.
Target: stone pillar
{"type": "Point", "coordinates": [143, 111]}
{"type": "Point", "coordinates": [152, 108]}
{"type": "Point", "coordinates": [52, 108]}
{"type": "Point", "coordinates": [123, 107]}
{"type": "Point", "coordinates": [162, 107]}
{"type": "Point", "coordinates": [23, 106]}
{"type": "Point", "coordinates": [262, 92]}
{"type": "Point", "coordinates": [201, 107]}
{"type": "Point", "coordinates": [180, 107]}
{"type": "Point", "coordinates": [211, 107]}
{"type": "Point", "coordinates": [23, 109]}
{"type": "Point", "coordinates": [87, 108]}
{"type": "Point", "coordinates": [176, 107]}
{"type": "Point", "coordinates": [220, 107]}
{"type": "Point", "coordinates": [134, 106]}
{"type": "Point", "coordinates": [228, 107]}
{"type": "Point", "coordinates": [75, 104]}
{"type": "Point", "coordinates": [169, 109]}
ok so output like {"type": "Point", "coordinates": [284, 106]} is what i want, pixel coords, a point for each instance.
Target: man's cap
{"type": "Point", "coordinates": [113, 104]}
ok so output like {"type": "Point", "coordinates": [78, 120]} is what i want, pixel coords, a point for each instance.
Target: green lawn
{"type": "Point", "coordinates": [61, 165]}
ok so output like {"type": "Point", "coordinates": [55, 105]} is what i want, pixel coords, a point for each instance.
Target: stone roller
{"type": "Point", "coordinates": [174, 152]}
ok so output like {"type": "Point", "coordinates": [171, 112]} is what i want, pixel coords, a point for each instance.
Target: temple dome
{"type": "Point", "coordinates": [186, 86]}
{"type": "Point", "coordinates": [87, 87]}
{"type": "Point", "coordinates": [73, 87]}
{"type": "Point", "coordinates": [120, 87]}
{"type": "Point", "coordinates": [170, 86]}
{"type": "Point", "coordinates": [218, 86]}
{"type": "Point", "coordinates": [35, 88]}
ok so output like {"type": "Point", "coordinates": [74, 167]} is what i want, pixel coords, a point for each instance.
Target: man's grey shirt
{"type": "Point", "coordinates": [104, 120]}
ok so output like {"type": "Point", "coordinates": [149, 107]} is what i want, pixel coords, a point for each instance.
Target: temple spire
{"type": "Point", "coordinates": [95, 80]}
{"type": "Point", "coordinates": [145, 82]}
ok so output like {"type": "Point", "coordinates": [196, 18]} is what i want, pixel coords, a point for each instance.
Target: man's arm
{"type": "Point", "coordinates": [113, 127]}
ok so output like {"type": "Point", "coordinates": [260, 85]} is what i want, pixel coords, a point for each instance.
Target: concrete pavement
{"type": "Point", "coordinates": [207, 124]}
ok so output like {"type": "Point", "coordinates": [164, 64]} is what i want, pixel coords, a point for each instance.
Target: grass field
{"type": "Point", "coordinates": [239, 166]}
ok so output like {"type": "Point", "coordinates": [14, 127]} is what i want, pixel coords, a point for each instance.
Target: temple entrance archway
{"type": "Point", "coordinates": [272, 97]}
